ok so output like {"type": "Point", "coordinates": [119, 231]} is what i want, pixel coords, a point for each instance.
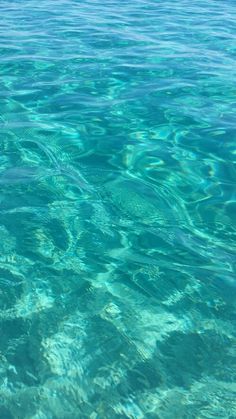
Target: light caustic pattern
{"type": "Point", "coordinates": [117, 209]}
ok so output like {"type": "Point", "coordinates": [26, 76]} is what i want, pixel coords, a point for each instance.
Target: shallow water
{"type": "Point", "coordinates": [117, 209]}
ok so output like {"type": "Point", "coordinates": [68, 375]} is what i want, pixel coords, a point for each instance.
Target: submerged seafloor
{"type": "Point", "coordinates": [117, 209]}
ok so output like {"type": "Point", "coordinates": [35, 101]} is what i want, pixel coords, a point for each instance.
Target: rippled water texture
{"type": "Point", "coordinates": [117, 209]}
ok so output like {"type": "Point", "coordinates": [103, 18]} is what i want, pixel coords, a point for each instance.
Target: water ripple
{"type": "Point", "coordinates": [117, 209]}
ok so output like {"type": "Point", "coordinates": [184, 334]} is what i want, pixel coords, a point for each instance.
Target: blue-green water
{"type": "Point", "coordinates": [117, 209]}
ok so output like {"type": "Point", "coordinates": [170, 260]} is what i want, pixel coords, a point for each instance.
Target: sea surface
{"type": "Point", "coordinates": [117, 209]}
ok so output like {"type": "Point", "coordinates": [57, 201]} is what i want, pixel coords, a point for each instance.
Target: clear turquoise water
{"type": "Point", "coordinates": [117, 209]}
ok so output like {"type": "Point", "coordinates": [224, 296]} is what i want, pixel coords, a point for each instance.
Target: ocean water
{"type": "Point", "coordinates": [117, 209]}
